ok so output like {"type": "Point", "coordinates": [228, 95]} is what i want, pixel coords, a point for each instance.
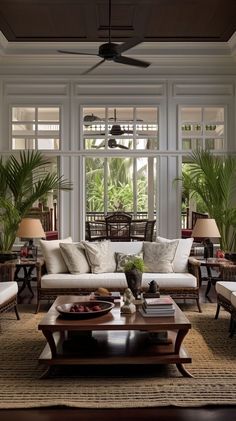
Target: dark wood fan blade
{"type": "Point", "coordinates": [131, 61]}
{"type": "Point", "coordinates": [122, 146]}
{"type": "Point", "coordinates": [77, 53]}
{"type": "Point", "coordinates": [128, 44]}
{"type": "Point", "coordinates": [93, 67]}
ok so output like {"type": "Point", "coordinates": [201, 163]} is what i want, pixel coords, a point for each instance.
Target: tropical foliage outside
{"type": "Point", "coordinates": [211, 180]}
{"type": "Point", "coordinates": [23, 181]}
{"type": "Point", "coordinates": [119, 188]}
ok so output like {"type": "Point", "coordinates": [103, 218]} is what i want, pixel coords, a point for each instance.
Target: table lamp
{"type": "Point", "coordinates": [206, 228]}
{"type": "Point", "coordinates": [30, 228]}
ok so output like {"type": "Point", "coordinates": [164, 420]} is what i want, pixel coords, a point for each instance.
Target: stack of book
{"type": "Point", "coordinates": [158, 307]}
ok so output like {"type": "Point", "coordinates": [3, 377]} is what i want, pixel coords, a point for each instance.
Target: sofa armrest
{"type": "Point", "coordinates": [40, 270]}
{"type": "Point", "coordinates": [194, 269]}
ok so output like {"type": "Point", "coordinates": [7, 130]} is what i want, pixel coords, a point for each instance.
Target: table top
{"type": "Point", "coordinates": [113, 320]}
{"type": "Point", "coordinates": [214, 261]}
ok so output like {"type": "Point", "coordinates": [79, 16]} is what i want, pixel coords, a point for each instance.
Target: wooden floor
{"type": "Point", "coordinates": [147, 414]}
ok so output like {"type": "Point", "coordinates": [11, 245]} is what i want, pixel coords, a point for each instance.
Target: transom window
{"type": "Point", "coordinates": [36, 128]}
{"type": "Point", "coordinates": [121, 127]}
{"type": "Point", "coordinates": [202, 127]}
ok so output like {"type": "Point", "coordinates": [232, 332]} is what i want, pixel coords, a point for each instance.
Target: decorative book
{"type": "Point", "coordinates": [158, 301]}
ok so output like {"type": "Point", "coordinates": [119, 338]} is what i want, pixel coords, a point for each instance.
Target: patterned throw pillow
{"type": "Point", "coordinates": [100, 256]}
{"type": "Point", "coordinates": [122, 259]}
{"type": "Point", "coordinates": [180, 262]}
{"type": "Point", "coordinates": [158, 258]}
{"type": "Point", "coordinates": [74, 256]}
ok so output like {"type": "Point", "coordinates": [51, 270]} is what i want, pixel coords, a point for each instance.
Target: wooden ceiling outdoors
{"type": "Point", "coordinates": [87, 20]}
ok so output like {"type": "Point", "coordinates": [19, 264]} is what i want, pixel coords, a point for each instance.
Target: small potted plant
{"type": "Point", "coordinates": [133, 269]}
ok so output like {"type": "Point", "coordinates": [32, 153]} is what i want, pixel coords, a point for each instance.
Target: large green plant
{"type": "Point", "coordinates": [23, 181]}
{"type": "Point", "coordinates": [213, 180]}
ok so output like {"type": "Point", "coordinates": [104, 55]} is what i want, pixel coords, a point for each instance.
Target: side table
{"type": "Point", "coordinates": [209, 264]}
{"type": "Point", "coordinates": [28, 267]}
{"type": "Point", "coordinates": [7, 271]}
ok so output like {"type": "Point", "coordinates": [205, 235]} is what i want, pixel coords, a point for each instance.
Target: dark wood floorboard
{"type": "Point", "coordinates": [137, 414]}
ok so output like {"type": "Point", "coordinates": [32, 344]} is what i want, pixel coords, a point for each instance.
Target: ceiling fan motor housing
{"type": "Point", "coordinates": [108, 51]}
{"type": "Point", "coordinates": [116, 130]}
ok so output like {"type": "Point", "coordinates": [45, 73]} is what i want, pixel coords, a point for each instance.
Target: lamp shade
{"type": "Point", "coordinates": [30, 228]}
{"type": "Point", "coordinates": [205, 228]}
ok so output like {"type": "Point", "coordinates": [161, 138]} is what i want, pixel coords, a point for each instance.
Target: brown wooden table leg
{"type": "Point", "coordinates": [178, 342]}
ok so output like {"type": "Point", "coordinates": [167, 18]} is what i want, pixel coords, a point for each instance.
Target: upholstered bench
{"type": "Point", "coordinates": [226, 298]}
{"type": "Point", "coordinates": [8, 297]}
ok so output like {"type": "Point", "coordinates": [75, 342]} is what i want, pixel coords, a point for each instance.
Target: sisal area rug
{"type": "Point", "coordinates": [213, 366]}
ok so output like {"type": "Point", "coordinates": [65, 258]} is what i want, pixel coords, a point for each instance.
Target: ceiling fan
{"type": "Point", "coordinates": [112, 52]}
{"type": "Point", "coordinates": [112, 143]}
{"type": "Point", "coordinates": [91, 118]}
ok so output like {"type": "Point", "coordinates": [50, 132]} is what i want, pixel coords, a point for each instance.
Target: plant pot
{"type": "Point", "coordinates": [4, 257]}
{"type": "Point", "coordinates": [134, 281]}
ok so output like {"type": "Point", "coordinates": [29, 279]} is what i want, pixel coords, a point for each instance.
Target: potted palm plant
{"type": "Point", "coordinates": [133, 269]}
{"type": "Point", "coordinates": [23, 181]}
{"type": "Point", "coordinates": [212, 179]}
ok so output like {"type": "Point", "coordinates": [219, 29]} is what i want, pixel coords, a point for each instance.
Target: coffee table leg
{"type": "Point", "coordinates": [183, 370]}
{"type": "Point", "coordinates": [49, 336]}
{"type": "Point", "coordinates": [178, 342]}
{"type": "Point", "coordinates": [46, 373]}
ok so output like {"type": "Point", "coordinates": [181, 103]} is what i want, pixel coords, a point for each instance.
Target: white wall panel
{"type": "Point", "coordinates": [37, 88]}
{"type": "Point", "coordinates": [202, 89]}
{"type": "Point", "coordinates": [71, 93]}
{"type": "Point", "coordinates": [121, 89]}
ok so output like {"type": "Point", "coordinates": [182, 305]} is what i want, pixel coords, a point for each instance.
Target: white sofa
{"type": "Point", "coordinates": [183, 282]}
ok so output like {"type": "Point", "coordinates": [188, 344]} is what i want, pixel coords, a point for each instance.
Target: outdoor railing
{"type": "Point", "coordinates": [94, 216]}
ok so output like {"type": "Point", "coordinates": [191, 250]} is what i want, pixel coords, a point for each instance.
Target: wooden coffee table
{"type": "Point", "coordinates": [112, 339]}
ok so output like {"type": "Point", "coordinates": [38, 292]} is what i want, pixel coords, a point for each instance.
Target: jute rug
{"type": "Point", "coordinates": [214, 369]}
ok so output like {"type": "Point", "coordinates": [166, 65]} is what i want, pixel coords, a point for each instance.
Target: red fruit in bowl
{"type": "Point", "coordinates": [87, 309]}
{"type": "Point", "coordinates": [96, 308]}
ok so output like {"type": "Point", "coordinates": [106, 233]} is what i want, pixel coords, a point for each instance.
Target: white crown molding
{"type": "Point", "coordinates": [145, 48]}
{"type": "Point", "coordinates": [219, 57]}
{"type": "Point", "coordinates": [232, 45]}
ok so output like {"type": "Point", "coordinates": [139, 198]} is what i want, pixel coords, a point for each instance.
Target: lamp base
{"type": "Point", "coordinates": [208, 249]}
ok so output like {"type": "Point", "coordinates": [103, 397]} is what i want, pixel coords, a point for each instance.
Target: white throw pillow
{"type": "Point", "coordinates": [53, 256]}
{"type": "Point", "coordinates": [100, 256]}
{"type": "Point", "coordinates": [180, 262]}
{"type": "Point", "coordinates": [158, 258]}
{"type": "Point", "coordinates": [74, 256]}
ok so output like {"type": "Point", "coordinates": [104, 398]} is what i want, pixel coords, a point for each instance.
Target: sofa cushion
{"type": "Point", "coordinates": [180, 262]}
{"type": "Point", "coordinates": [100, 256]}
{"type": "Point", "coordinates": [122, 259]}
{"type": "Point", "coordinates": [75, 258]}
{"type": "Point", "coordinates": [170, 280]}
{"type": "Point", "coordinates": [158, 257]}
{"type": "Point", "coordinates": [116, 281]}
{"type": "Point", "coordinates": [86, 281]}
{"type": "Point", "coordinates": [53, 256]}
